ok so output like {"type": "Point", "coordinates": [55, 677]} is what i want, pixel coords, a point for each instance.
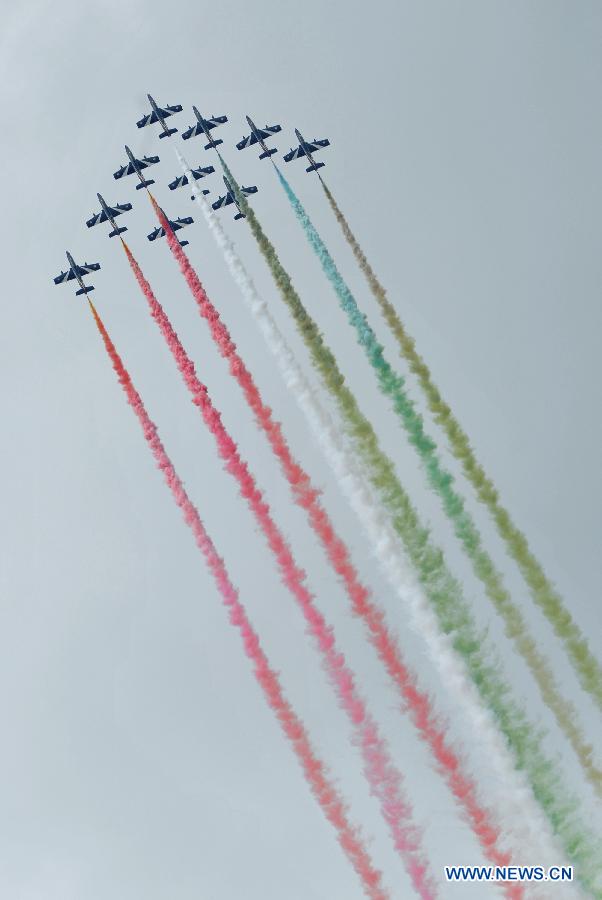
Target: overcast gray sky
{"type": "Point", "coordinates": [138, 758]}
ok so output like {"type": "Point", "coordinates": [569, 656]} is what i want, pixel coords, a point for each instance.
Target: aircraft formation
{"type": "Point", "coordinates": [525, 783]}
{"type": "Point", "coordinates": [137, 166]}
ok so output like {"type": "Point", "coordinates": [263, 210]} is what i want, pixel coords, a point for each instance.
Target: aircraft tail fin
{"type": "Point", "coordinates": [239, 216]}
{"type": "Point", "coordinates": [184, 243]}
{"type": "Point", "coordinates": [84, 290]}
{"type": "Point", "coordinates": [117, 231]}
{"type": "Point", "coordinates": [168, 133]}
{"type": "Point", "coordinates": [213, 144]}
{"type": "Point", "coordinates": [144, 184]}
{"type": "Point", "coordinates": [267, 153]}
{"type": "Point", "coordinates": [315, 167]}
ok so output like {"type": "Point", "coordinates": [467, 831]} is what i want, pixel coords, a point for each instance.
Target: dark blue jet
{"type": "Point", "coordinates": [259, 136]}
{"type": "Point", "coordinates": [205, 126]}
{"type": "Point", "coordinates": [183, 180]}
{"type": "Point", "coordinates": [159, 114]}
{"type": "Point", "coordinates": [109, 214]}
{"type": "Point", "coordinates": [136, 166]}
{"type": "Point", "coordinates": [176, 224]}
{"type": "Point", "coordinates": [231, 198]}
{"type": "Point", "coordinates": [307, 148]}
{"type": "Point", "coordinates": [77, 272]}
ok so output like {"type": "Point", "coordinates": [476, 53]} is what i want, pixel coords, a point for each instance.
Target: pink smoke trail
{"type": "Point", "coordinates": [384, 779]}
{"type": "Point", "coordinates": [314, 770]}
{"type": "Point", "coordinates": [417, 702]}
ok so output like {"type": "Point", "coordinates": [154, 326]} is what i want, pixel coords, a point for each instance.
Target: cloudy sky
{"type": "Point", "coordinates": [138, 758]}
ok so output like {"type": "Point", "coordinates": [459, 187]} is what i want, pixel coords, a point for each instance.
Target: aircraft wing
{"type": "Point", "coordinates": [223, 201]}
{"type": "Point", "coordinates": [64, 276]}
{"type": "Point", "coordinates": [163, 111]}
{"type": "Point", "coordinates": [295, 154]}
{"type": "Point", "coordinates": [87, 267]}
{"type": "Point", "coordinates": [148, 120]}
{"type": "Point", "coordinates": [202, 171]}
{"type": "Point", "coordinates": [158, 232]}
{"type": "Point", "coordinates": [96, 219]}
{"type": "Point", "coordinates": [128, 169]}
{"type": "Point", "coordinates": [181, 223]}
{"type": "Point", "coordinates": [247, 141]}
{"type": "Point", "coordinates": [147, 161]}
{"type": "Point", "coordinates": [195, 129]}
{"type": "Point", "coordinates": [178, 182]}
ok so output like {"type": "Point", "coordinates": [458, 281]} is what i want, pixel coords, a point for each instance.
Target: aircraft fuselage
{"type": "Point", "coordinates": [105, 209]}
{"type": "Point", "coordinates": [303, 144]}
{"type": "Point", "coordinates": [203, 124]}
{"type": "Point", "coordinates": [134, 162]}
{"type": "Point", "coordinates": [72, 265]}
{"type": "Point", "coordinates": [254, 130]}
{"type": "Point", "coordinates": [157, 113]}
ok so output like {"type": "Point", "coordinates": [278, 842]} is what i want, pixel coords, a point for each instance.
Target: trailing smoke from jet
{"type": "Point", "coordinates": [386, 782]}
{"type": "Point", "coordinates": [391, 385]}
{"type": "Point", "coordinates": [443, 591]}
{"type": "Point", "coordinates": [314, 770]}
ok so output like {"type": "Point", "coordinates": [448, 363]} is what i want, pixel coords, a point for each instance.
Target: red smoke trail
{"type": "Point", "coordinates": [384, 779]}
{"type": "Point", "coordinates": [314, 770]}
{"type": "Point", "coordinates": [306, 496]}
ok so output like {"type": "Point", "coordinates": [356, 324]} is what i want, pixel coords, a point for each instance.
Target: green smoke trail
{"type": "Point", "coordinates": [392, 385]}
{"type": "Point", "coordinates": [544, 594]}
{"type": "Point", "coordinates": [441, 588]}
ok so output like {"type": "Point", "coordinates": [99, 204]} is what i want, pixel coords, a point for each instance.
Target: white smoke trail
{"type": "Point", "coordinates": [521, 818]}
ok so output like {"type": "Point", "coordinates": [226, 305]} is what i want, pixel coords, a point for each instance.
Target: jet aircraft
{"type": "Point", "coordinates": [307, 148]}
{"type": "Point", "coordinates": [159, 114]}
{"type": "Point", "coordinates": [77, 272]}
{"type": "Point", "coordinates": [205, 126]}
{"type": "Point", "coordinates": [136, 166]}
{"type": "Point", "coordinates": [109, 214]}
{"type": "Point", "coordinates": [259, 136]}
{"type": "Point", "coordinates": [182, 180]}
{"type": "Point", "coordinates": [230, 197]}
{"type": "Point", "coordinates": [176, 224]}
